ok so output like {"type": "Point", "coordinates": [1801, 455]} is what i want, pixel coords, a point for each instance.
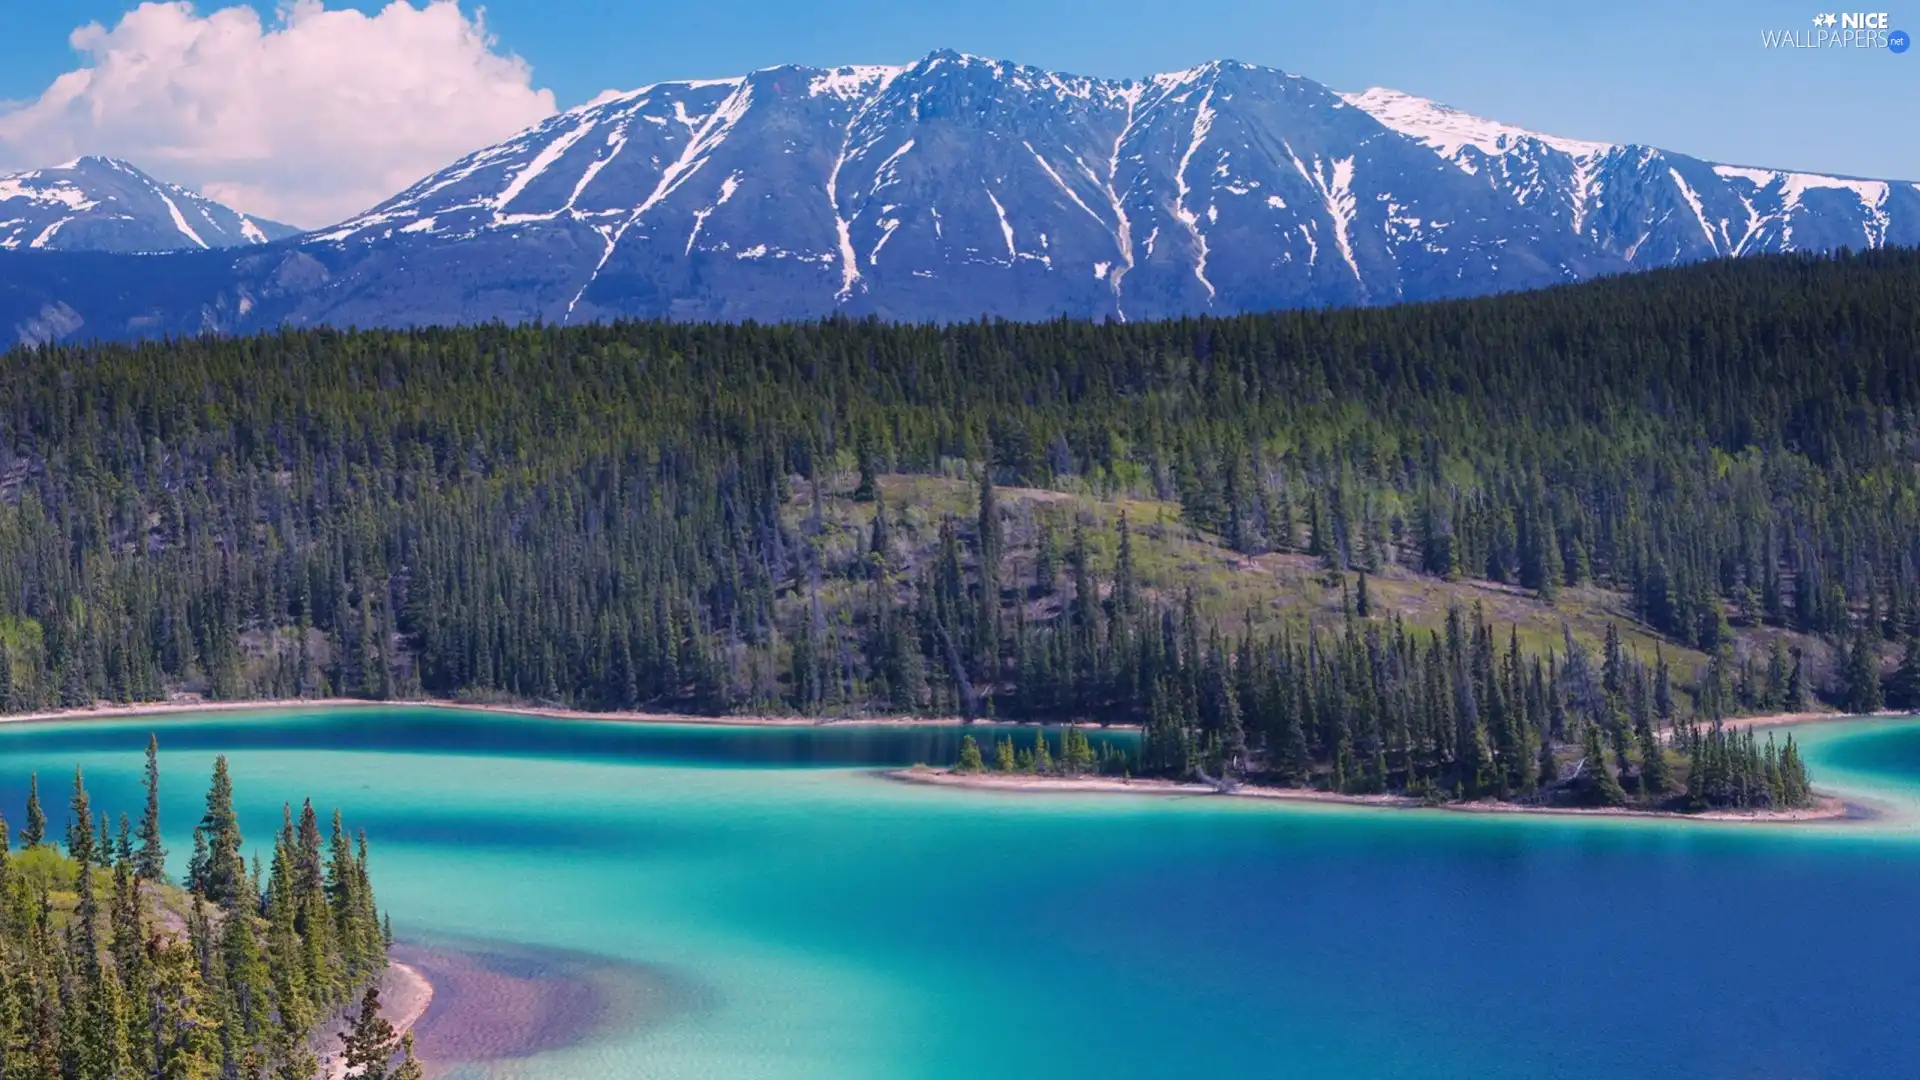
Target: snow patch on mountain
{"type": "Point", "coordinates": [1202, 124]}
{"type": "Point", "coordinates": [854, 82]}
{"type": "Point", "coordinates": [95, 203]}
{"type": "Point", "coordinates": [1448, 130]}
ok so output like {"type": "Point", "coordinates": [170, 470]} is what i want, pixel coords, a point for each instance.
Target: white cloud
{"type": "Point", "coordinates": [306, 120]}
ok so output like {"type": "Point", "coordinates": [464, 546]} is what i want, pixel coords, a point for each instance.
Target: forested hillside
{"type": "Point", "coordinates": [1265, 535]}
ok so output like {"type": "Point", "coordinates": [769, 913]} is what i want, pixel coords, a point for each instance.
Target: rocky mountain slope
{"type": "Point", "coordinates": [104, 204]}
{"type": "Point", "coordinates": [956, 187]}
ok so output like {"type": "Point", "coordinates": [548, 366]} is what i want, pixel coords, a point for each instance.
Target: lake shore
{"type": "Point", "coordinates": [1782, 719]}
{"type": "Point", "coordinates": [182, 705]}
{"type": "Point", "coordinates": [1828, 808]}
{"type": "Point", "coordinates": [187, 704]}
{"type": "Point", "coordinates": [405, 996]}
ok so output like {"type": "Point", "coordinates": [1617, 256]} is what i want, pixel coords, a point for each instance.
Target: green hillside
{"type": "Point", "coordinates": [1694, 486]}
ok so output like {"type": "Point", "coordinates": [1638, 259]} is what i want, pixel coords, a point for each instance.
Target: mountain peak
{"type": "Point", "coordinates": [98, 203]}
{"type": "Point", "coordinates": [101, 161]}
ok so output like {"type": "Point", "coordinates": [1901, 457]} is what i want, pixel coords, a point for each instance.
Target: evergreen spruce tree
{"type": "Point", "coordinates": [150, 863]}
{"type": "Point", "coordinates": [408, 1067]}
{"type": "Point", "coordinates": [992, 544]}
{"type": "Point", "coordinates": [1905, 691]}
{"type": "Point", "coordinates": [368, 1044]}
{"type": "Point", "coordinates": [80, 837]}
{"type": "Point", "coordinates": [1860, 682]}
{"type": "Point", "coordinates": [223, 875]}
{"type": "Point", "coordinates": [1656, 773]}
{"type": "Point", "coordinates": [197, 862]}
{"type": "Point", "coordinates": [868, 487]}
{"type": "Point", "coordinates": [1003, 756]}
{"type": "Point", "coordinates": [969, 756]}
{"type": "Point", "coordinates": [1046, 559]}
{"type": "Point", "coordinates": [123, 842]}
{"type": "Point", "coordinates": [880, 541]}
{"type": "Point", "coordinates": [1126, 589]}
{"type": "Point", "coordinates": [1795, 789]}
{"type": "Point", "coordinates": [1603, 788]}
{"type": "Point", "coordinates": [35, 832]}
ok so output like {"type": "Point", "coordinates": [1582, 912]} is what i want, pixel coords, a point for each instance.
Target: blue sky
{"type": "Point", "coordinates": [1689, 75]}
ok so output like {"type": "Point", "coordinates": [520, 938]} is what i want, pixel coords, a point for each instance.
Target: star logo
{"type": "Point", "coordinates": [1824, 20]}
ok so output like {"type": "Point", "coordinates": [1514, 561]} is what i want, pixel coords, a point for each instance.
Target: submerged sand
{"type": "Point", "coordinates": [471, 1005]}
{"type": "Point", "coordinates": [493, 1003]}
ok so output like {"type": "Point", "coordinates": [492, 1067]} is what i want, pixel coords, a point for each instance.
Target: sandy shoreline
{"type": "Point", "coordinates": [405, 995]}
{"type": "Point", "coordinates": [186, 705]}
{"type": "Point", "coordinates": [1780, 719]}
{"type": "Point", "coordinates": [1830, 808]}
{"type": "Point", "coordinates": [127, 710]}
{"type": "Point", "coordinates": [177, 706]}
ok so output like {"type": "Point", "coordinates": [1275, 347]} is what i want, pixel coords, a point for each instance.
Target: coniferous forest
{"type": "Point", "coordinates": [1540, 537]}
{"type": "Point", "coordinates": [108, 969]}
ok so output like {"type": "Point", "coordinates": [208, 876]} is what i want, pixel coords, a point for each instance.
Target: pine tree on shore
{"type": "Point", "coordinates": [1656, 773]}
{"type": "Point", "coordinates": [969, 756]}
{"type": "Point", "coordinates": [1861, 679]}
{"type": "Point", "coordinates": [1602, 786]}
{"type": "Point", "coordinates": [369, 1043]}
{"type": "Point", "coordinates": [150, 863]}
{"type": "Point", "coordinates": [1003, 756]}
{"type": "Point", "coordinates": [35, 832]}
{"type": "Point", "coordinates": [408, 1067]}
{"type": "Point", "coordinates": [80, 838]}
{"type": "Point", "coordinates": [222, 877]}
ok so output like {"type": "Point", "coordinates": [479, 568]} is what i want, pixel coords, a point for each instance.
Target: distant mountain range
{"type": "Point", "coordinates": [957, 187]}
{"type": "Point", "coordinates": [103, 204]}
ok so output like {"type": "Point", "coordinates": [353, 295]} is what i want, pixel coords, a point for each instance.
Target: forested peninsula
{"type": "Point", "coordinates": [1528, 547]}
{"type": "Point", "coordinates": [108, 969]}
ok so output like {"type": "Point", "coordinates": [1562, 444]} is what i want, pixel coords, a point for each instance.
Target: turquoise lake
{"type": "Point", "coordinates": [816, 920]}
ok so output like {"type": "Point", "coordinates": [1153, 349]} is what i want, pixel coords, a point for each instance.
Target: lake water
{"type": "Point", "coordinates": [793, 915]}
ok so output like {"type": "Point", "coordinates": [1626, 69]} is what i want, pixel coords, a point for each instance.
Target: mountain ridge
{"type": "Point", "coordinates": [96, 203]}
{"type": "Point", "coordinates": [958, 186]}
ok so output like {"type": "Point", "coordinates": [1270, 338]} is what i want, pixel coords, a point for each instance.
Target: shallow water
{"type": "Point", "coordinates": [823, 922]}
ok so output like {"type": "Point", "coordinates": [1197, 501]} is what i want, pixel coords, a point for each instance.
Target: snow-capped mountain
{"type": "Point", "coordinates": [958, 186]}
{"type": "Point", "coordinates": [103, 204]}
{"type": "Point", "coordinates": [949, 188]}
{"type": "Point", "coordinates": [1655, 207]}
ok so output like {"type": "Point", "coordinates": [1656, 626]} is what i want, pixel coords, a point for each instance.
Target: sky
{"type": "Point", "coordinates": [308, 110]}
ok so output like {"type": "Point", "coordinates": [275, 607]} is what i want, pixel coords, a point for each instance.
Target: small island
{"type": "Point", "coordinates": [1377, 715]}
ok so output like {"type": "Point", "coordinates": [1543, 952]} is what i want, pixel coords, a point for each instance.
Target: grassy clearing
{"type": "Point", "coordinates": [1229, 589]}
